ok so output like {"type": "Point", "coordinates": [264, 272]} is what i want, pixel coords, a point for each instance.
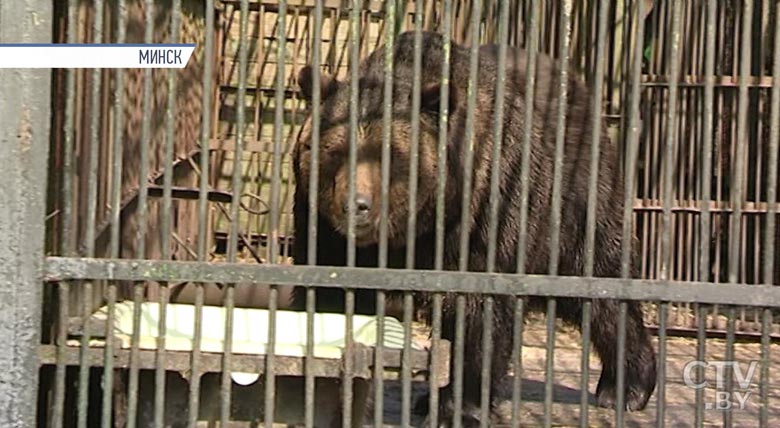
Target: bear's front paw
{"type": "Point", "coordinates": [637, 392]}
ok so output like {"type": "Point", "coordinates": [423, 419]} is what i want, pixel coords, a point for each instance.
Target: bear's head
{"type": "Point", "coordinates": [369, 134]}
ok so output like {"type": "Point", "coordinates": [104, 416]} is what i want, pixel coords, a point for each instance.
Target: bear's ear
{"type": "Point", "coordinates": [430, 98]}
{"type": "Point", "coordinates": [328, 83]}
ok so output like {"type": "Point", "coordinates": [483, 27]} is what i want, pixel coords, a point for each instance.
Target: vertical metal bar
{"type": "Point", "coordinates": [414, 149]}
{"type": "Point", "coordinates": [555, 217]}
{"type": "Point", "coordinates": [273, 298]}
{"type": "Point", "coordinates": [517, 360]}
{"type": "Point", "coordinates": [116, 196]}
{"type": "Point", "coordinates": [406, 363]}
{"type": "Point", "coordinates": [313, 210]}
{"type": "Point", "coordinates": [564, 39]}
{"type": "Point", "coordinates": [532, 45]}
{"type": "Point", "coordinates": [706, 193]}
{"type": "Point", "coordinates": [549, 365]}
{"type": "Point", "coordinates": [766, 325]}
{"type": "Point", "coordinates": [487, 355]}
{"type": "Point", "coordinates": [731, 314]}
{"type": "Point", "coordinates": [411, 230]}
{"type": "Point", "coordinates": [587, 307]}
{"type": "Point", "coordinates": [590, 240]}
{"type": "Point", "coordinates": [67, 241]}
{"type": "Point", "coordinates": [774, 145]}
{"type": "Point", "coordinates": [487, 320]}
{"type": "Point", "coordinates": [143, 184]}
{"type": "Point", "coordinates": [387, 120]}
{"type": "Point", "coordinates": [741, 143]}
{"type": "Point", "coordinates": [495, 166]}
{"type": "Point", "coordinates": [354, 113]}
{"type": "Point", "coordinates": [229, 301]}
{"type": "Point", "coordinates": [354, 116]}
{"type": "Point", "coordinates": [89, 233]}
{"type": "Point", "coordinates": [441, 149]}
{"type": "Point", "coordinates": [468, 156]}
{"type": "Point", "coordinates": [701, 355]}
{"type": "Point", "coordinates": [460, 310]}
{"type": "Point", "coordinates": [24, 145]}
{"type": "Point", "coordinates": [661, 390]}
{"type": "Point", "coordinates": [195, 372]}
{"type": "Point", "coordinates": [668, 166]}
{"type": "Point", "coordinates": [769, 237]}
{"type": "Point", "coordinates": [165, 227]}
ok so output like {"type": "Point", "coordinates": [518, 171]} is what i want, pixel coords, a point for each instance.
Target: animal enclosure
{"type": "Point", "coordinates": [166, 208]}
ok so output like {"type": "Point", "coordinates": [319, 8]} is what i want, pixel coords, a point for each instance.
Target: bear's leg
{"type": "Point", "coordinates": [503, 317]}
{"type": "Point", "coordinates": [640, 364]}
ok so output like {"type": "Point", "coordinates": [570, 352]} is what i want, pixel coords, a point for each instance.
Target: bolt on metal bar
{"type": "Point", "coordinates": [193, 405]}
{"type": "Point", "coordinates": [67, 241]}
{"type": "Point", "coordinates": [143, 184]}
{"type": "Point", "coordinates": [468, 146]}
{"type": "Point", "coordinates": [116, 197]}
{"type": "Point", "coordinates": [313, 184]}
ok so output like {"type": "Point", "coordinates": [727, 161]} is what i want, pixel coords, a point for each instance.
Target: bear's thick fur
{"type": "Point", "coordinates": [333, 192]}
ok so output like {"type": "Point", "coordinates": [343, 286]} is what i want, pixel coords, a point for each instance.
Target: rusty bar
{"type": "Point", "coordinates": [116, 198]}
{"type": "Point", "coordinates": [67, 241]}
{"type": "Point", "coordinates": [89, 232]}
{"type": "Point", "coordinates": [143, 187]}
{"type": "Point", "coordinates": [468, 147]}
{"type": "Point", "coordinates": [193, 404]}
{"type": "Point", "coordinates": [60, 268]}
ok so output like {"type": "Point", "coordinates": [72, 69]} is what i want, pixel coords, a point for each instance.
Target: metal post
{"type": "Point", "coordinates": [24, 147]}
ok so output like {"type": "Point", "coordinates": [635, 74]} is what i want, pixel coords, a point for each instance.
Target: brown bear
{"type": "Point", "coordinates": [333, 193]}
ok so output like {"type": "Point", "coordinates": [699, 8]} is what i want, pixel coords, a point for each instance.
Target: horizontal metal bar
{"type": "Point", "coordinates": [61, 268]}
{"type": "Point", "coordinates": [363, 360]}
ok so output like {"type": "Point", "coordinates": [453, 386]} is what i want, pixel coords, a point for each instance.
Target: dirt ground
{"type": "Point", "coordinates": [680, 405]}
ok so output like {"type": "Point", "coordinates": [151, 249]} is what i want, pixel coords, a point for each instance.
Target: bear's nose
{"type": "Point", "coordinates": [362, 204]}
